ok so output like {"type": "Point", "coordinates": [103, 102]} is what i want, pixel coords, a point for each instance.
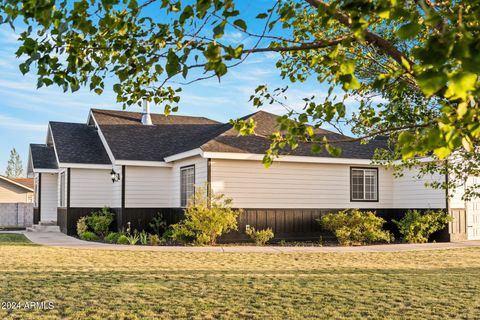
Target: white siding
{"type": "Point", "coordinates": [49, 200]}
{"type": "Point", "coordinates": [10, 193]}
{"type": "Point", "coordinates": [148, 187]}
{"type": "Point", "coordinates": [292, 185]}
{"type": "Point", "coordinates": [304, 185]}
{"type": "Point", "coordinates": [200, 176]}
{"type": "Point", "coordinates": [92, 188]}
{"type": "Point", "coordinates": [411, 192]}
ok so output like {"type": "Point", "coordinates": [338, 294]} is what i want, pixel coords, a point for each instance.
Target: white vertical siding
{"type": "Point", "coordinates": [292, 185]}
{"type": "Point", "coordinates": [200, 176]}
{"type": "Point", "coordinates": [49, 197]}
{"type": "Point", "coordinates": [411, 192]}
{"type": "Point", "coordinates": [92, 188]}
{"type": "Point", "coordinates": [148, 187]}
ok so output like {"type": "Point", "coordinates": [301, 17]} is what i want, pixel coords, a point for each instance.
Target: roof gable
{"type": "Point", "coordinates": [78, 143]}
{"type": "Point", "coordinates": [25, 183]}
{"type": "Point", "coordinates": [43, 157]}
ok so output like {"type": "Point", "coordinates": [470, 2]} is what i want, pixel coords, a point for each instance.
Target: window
{"type": "Point", "coordinates": [364, 184]}
{"type": "Point", "coordinates": [62, 190]}
{"type": "Point", "coordinates": [187, 184]}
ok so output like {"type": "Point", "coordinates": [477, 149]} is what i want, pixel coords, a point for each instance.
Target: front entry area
{"type": "Point", "coordinates": [48, 201]}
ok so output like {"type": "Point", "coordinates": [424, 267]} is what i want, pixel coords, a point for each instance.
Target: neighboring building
{"type": "Point", "coordinates": [16, 190]}
{"type": "Point", "coordinates": [120, 160]}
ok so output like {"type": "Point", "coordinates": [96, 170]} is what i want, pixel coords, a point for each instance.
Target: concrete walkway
{"type": "Point", "coordinates": [57, 239]}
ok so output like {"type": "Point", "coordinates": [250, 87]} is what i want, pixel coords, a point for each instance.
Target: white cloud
{"type": "Point", "coordinates": [18, 124]}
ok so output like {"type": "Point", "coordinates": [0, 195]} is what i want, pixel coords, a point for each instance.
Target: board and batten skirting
{"type": "Point", "coordinates": [287, 224]}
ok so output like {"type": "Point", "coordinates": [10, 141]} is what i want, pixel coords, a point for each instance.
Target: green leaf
{"type": "Point", "coordinates": [442, 152]}
{"type": "Point", "coordinates": [241, 24]}
{"type": "Point", "coordinates": [431, 81]}
{"type": "Point", "coordinates": [173, 63]}
{"type": "Point", "coordinates": [409, 30]}
{"type": "Point", "coordinates": [460, 84]}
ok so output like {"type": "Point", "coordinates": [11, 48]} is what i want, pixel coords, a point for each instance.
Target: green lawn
{"type": "Point", "coordinates": [97, 284]}
{"type": "Point", "coordinates": [13, 239]}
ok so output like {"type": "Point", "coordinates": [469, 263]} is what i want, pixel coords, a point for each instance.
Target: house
{"type": "Point", "coordinates": [142, 164]}
{"type": "Point", "coordinates": [16, 190]}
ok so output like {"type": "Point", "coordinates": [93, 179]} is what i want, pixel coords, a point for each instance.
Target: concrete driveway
{"type": "Point", "coordinates": [57, 239]}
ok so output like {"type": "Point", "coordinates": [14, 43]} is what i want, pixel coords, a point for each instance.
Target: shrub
{"type": "Point", "coordinates": [206, 219]}
{"type": "Point", "coordinates": [133, 238]}
{"type": "Point", "coordinates": [153, 239]}
{"type": "Point", "coordinates": [112, 237]}
{"type": "Point", "coordinates": [122, 239]}
{"type": "Point", "coordinates": [260, 237]}
{"type": "Point", "coordinates": [88, 236]}
{"type": "Point", "coordinates": [143, 237]}
{"type": "Point", "coordinates": [100, 221]}
{"type": "Point", "coordinates": [355, 227]}
{"type": "Point", "coordinates": [417, 228]}
{"type": "Point", "coordinates": [158, 224]}
{"type": "Point", "coordinates": [82, 226]}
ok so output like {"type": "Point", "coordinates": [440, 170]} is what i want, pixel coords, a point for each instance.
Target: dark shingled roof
{"type": "Point", "coordinates": [128, 139]}
{"type": "Point", "coordinates": [230, 141]}
{"type": "Point", "coordinates": [43, 156]}
{"type": "Point", "coordinates": [78, 143]}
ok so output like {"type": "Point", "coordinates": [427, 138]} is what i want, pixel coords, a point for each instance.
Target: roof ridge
{"type": "Point", "coordinates": [152, 113]}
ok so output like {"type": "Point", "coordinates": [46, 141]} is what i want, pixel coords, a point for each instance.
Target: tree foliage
{"type": "Point", "coordinates": [412, 65]}
{"type": "Point", "coordinates": [14, 165]}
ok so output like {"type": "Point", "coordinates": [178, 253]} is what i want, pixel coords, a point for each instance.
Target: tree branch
{"type": "Point", "coordinates": [306, 46]}
{"type": "Point", "coordinates": [370, 37]}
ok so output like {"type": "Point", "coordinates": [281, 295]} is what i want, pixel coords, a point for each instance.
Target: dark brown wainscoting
{"type": "Point", "coordinates": [287, 224]}
{"type": "Point", "coordinates": [36, 215]}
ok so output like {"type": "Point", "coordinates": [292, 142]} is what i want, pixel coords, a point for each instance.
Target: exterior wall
{"type": "Point", "coordinates": [91, 188]}
{"type": "Point", "coordinates": [49, 200]}
{"type": "Point", "coordinates": [16, 215]}
{"type": "Point", "coordinates": [148, 187]}
{"type": "Point", "coordinates": [10, 193]}
{"type": "Point", "coordinates": [200, 176]}
{"type": "Point", "coordinates": [411, 192]}
{"type": "Point", "coordinates": [304, 185]}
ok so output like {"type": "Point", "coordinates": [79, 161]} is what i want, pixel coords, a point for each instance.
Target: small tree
{"type": "Point", "coordinates": [206, 219]}
{"type": "Point", "coordinates": [14, 166]}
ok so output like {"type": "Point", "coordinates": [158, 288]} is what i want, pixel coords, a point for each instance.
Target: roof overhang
{"type": "Point", "coordinates": [84, 165]}
{"type": "Point", "coordinates": [140, 163]}
{"type": "Point", "coordinates": [16, 183]}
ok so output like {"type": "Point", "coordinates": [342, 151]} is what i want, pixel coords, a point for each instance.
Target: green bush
{"type": "Point", "coordinates": [158, 224]}
{"type": "Point", "coordinates": [88, 236]}
{"type": "Point", "coordinates": [205, 219]}
{"type": "Point", "coordinates": [82, 226]}
{"type": "Point", "coordinates": [353, 227]}
{"type": "Point", "coordinates": [417, 228]}
{"type": "Point", "coordinates": [100, 221]}
{"type": "Point", "coordinates": [122, 239]}
{"type": "Point", "coordinates": [260, 237]}
{"type": "Point", "coordinates": [112, 237]}
{"type": "Point", "coordinates": [153, 239]}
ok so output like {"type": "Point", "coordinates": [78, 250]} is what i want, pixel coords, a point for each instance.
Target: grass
{"type": "Point", "coordinates": [101, 284]}
{"type": "Point", "coordinates": [13, 239]}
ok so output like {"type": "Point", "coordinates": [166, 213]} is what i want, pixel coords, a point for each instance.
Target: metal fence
{"type": "Point", "coordinates": [16, 215]}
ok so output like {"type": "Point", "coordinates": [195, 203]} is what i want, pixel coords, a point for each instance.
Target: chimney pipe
{"type": "Point", "coordinates": [146, 119]}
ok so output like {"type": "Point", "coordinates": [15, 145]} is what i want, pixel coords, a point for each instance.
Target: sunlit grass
{"type": "Point", "coordinates": [101, 284]}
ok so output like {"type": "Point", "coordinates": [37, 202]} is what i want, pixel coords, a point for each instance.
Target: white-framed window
{"type": "Point", "coordinates": [62, 190]}
{"type": "Point", "coordinates": [364, 184]}
{"type": "Point", "coordinates": [187, 184]}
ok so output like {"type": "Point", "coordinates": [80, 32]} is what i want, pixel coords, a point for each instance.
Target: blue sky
{"type": "Point", "coordinates": [25, 111]}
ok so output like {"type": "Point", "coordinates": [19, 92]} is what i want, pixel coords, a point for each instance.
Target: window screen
{"type": "Point", "coordinates": [187, 185]}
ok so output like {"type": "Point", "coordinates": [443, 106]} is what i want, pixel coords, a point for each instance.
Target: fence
{"type": "Point", "coordinates": [16, 215]}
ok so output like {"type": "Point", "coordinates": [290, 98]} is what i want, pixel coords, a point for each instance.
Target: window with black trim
{"type": "Point", "coordinates": [364, 184]}
{"type": "Point", "coordinates": [187, 184]}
